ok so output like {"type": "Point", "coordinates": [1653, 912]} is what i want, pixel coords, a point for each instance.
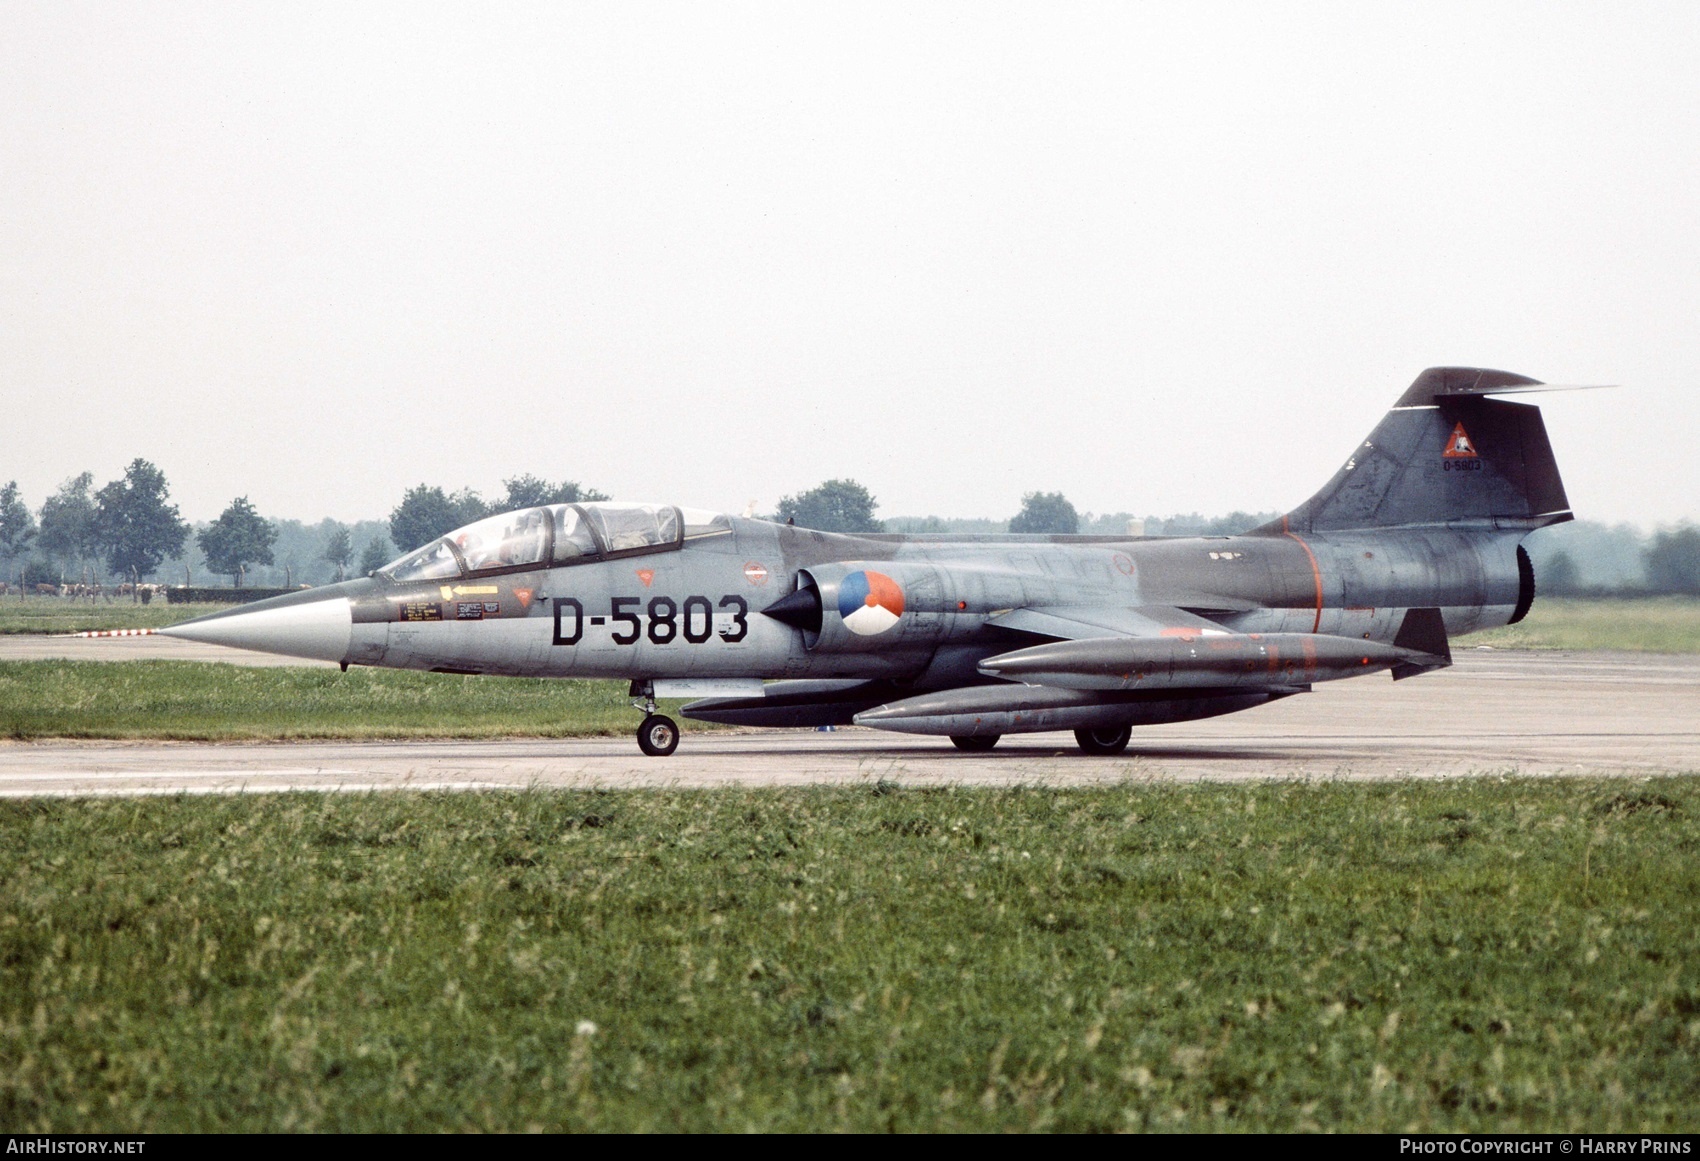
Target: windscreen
{"type": "Point", "coordinates": [436, 561]}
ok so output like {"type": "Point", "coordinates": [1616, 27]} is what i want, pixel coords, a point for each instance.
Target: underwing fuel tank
{"type": "Point", "coordinates": [793, 704]}
{"type": "Point", "coordinates": [1205, 661]}
{"type": "Point", "coordinates": [994, 710]}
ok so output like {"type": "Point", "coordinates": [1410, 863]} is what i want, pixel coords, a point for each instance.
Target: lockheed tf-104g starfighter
{"type": "Point", "coordinates": [1415, 539]}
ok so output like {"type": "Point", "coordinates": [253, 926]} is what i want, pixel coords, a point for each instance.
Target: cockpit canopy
{"type": "Point", "coordinates": [561, 534]}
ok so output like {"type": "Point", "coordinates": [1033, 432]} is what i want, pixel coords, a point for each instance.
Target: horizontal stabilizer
{"type": "Point", "coordinates": [1442, 382]}
{"type": "Point", "coordinates": [1530, 387]}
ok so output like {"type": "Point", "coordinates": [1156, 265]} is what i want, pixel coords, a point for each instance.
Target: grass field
{"type": "Point", "coordinates": [1639, 624]}
{"type": "Point", "coordinates": [58, 615]}
{"type": "Point", "coordinates": [199, 701]}
{"type": "Point", "coordinates": [1494, 954]}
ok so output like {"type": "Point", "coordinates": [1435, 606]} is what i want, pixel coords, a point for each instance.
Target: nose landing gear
{"type": "Point", "coordinates": [658, 734]}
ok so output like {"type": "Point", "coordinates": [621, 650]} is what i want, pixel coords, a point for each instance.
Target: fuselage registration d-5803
{"type": "Point", "coordinates": [1416, 538]}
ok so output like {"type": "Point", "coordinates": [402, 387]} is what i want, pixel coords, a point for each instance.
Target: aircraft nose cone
{"type": "Point", "coordinates": [318, 629]}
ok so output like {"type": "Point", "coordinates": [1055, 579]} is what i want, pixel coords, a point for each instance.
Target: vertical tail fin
{"type": "Point", "coordinates": [1445, 453]}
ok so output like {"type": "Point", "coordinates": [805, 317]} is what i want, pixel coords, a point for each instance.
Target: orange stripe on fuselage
{"type": "Point", "coordinates": [1316, 572]}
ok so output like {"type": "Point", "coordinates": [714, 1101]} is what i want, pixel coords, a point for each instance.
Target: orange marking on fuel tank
{"type": "Point", "coordinates": [1315, 572]}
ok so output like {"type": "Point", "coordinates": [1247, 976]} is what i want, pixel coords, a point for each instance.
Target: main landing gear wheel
{"type": "Point", "coordinates": [974, 743]}
{"type": "Point", "coordinates": [658, 736]}
{"type": "Point", "coordinates": [1104, 743]}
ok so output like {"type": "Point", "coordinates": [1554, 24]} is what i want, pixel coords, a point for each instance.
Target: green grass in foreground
{"type": "Point", "coordinates": [201, 701]}
{"type": "Point", "coordinates": [1640, 624]}
{"type": "Point", "coordinates": [57, 615]}
{"type": "Point", "coordinates": [1495, 954]}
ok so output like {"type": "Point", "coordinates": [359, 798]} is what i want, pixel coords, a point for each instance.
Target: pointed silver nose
{"type": "Point", "coordinates": [317, 629]}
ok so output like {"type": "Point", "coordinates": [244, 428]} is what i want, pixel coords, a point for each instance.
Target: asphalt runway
{"type": "Point", "coordinates": [1494, 712]}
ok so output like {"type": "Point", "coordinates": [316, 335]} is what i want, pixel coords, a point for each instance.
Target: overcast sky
{"type": "Point", "coordinates": [1158, 257]}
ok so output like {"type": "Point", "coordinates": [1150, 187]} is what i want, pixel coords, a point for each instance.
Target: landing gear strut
{"type": "Point", "coordinates": [658, 735]}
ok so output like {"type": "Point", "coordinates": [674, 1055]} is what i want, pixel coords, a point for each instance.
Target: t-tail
{"type": "Point", "coordinates": [1448, 455]}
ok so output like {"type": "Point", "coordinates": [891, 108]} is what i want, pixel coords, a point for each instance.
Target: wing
{"type": "Point", "coordinates": [1085, 622]}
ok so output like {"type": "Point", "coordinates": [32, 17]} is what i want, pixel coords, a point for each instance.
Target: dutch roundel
{"type": "Point", "coordinates": [869, 602]}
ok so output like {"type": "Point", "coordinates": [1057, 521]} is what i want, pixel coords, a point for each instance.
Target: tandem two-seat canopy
{"type": "Point", "coordinates": [562, 534]}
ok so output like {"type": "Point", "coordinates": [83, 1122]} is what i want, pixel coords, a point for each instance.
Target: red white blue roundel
{"type": "Point", "coordinates": [869, 602]}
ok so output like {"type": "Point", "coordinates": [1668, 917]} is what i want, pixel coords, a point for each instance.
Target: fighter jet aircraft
{"type": "Point", "coordinates": [1416, 538]}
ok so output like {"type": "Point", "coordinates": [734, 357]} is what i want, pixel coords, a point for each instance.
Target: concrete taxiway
{"type": "Point", "coordinates": [36, 647]}
{"type": "Point", "coordinates": [1493, 712]}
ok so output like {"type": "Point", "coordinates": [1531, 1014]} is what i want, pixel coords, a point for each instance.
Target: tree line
{"type": "Point", "coordinates": [130, 524]}
{"type": "Point", "coordinates": [130, 527]}
{"type": "Point", "coordinates": [847, 506]}
{"type": "Point", "coordinates": [1585, 558]}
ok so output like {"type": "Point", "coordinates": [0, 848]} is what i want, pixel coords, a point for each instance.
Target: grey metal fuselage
{"type": "Point", "coordinates": [694, 612]}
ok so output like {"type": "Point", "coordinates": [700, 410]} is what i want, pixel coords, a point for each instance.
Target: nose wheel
{"type": "Point", "coordinates": [658, 735]}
